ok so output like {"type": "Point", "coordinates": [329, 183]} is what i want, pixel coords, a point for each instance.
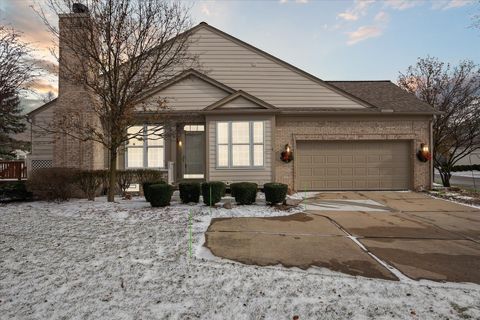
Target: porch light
{"type": "Point", "coordinates": [287, 154]}
{"type": "Point", "coordinates": [180, 143]}
{"type": "Point", "coordinates": [424, 147]}
{"type": "Point", "coordinates": [424, 153]}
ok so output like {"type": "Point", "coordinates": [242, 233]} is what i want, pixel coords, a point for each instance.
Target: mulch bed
{"type": "Point", "coordinates": [457, 194]}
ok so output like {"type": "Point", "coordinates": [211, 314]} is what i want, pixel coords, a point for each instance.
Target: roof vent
{"type": "Point", "coordinates": [79, 8]}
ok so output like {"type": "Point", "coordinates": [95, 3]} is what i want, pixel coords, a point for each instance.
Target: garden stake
{"type": "Point", "coordinates": [190, 232]}
{"type": "Point", "coordinates": [305, 198]}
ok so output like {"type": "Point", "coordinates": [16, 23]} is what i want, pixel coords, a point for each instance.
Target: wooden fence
{"type": "Point", "coordinates": [15, 169]}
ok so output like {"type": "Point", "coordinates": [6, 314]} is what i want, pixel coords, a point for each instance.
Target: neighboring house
{"type": "Point", "coordinates": [245, 106]}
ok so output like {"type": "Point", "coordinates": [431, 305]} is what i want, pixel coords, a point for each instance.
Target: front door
{"type": "Point", "coordinates": [194, 162]}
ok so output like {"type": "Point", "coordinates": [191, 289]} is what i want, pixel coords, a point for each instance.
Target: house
{"type": "Point", "coordinates": [245, 108]}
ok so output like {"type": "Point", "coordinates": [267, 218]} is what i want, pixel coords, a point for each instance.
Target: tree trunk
{"type": "Point", "coordinates": [112, 175]}
{"type": "Point", "coordinates": [445, 175]}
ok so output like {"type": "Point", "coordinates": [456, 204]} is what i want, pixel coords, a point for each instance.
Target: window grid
{"type": "Point", "coordinates": [156, 144]}
{"type": "Point", "coordinates": [254, 162]}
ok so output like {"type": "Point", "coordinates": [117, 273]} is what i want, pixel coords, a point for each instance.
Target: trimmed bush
{"type": "Point", "coordinates": [89, 182]}
{"type": "Point", "coordinates": [160, 194]}
{"type": "Point", "coordinates": [244, 192]}
{"type": "Point", "coordinates": [14, 191]}
{"type": "Point", "coordinates": [52, 184]}
{"type": "Point", "coordinates": [468, 167]}
{"type": "Point", "coordinates": [189, 191]}
{"type": "Point", "coordinates": [146, 188]}
{"type": "Point", "coordinates": [124, 179]}
{"type": "Point", "coordinates": [275, 192]}
{"type": "Point", "coordinates": [216, 189]}
{"type": "Point", "coordinates": [148, 175]}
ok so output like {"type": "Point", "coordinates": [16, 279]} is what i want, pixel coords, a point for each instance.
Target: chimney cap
{"type": "Point", "coordinates": [79, 8]}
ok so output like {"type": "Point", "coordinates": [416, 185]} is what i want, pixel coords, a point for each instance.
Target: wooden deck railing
{"type": "Point", "coordinates": [15, 169]}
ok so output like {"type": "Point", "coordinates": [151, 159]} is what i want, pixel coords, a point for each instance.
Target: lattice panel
{"type": "Point", "coordinates": [41, 164]}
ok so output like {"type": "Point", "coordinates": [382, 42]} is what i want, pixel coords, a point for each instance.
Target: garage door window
{"type": "Point", "coordinates": [240, 144]}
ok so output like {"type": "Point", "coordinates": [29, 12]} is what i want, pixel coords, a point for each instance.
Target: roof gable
{"type": "Point", "coordinates": [240, 100]}
{"type": "Point", "coordinates": [190, 90]}
{"type": "Point", "coordinates": [182, 76]}
{"type": "Point", "coordinates": [245, 67]}
{"type": "Point", "coordinates": [42, 108]}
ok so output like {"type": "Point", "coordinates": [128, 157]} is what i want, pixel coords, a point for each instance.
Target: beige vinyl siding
{"type": "Point", "coordinates": [242, 68]}
{"type": "Point", "coordinates": [257, 175]}
{"type": "Point", "coordinates": [42, 142]}
{"type": "Point", "coordinates": [240, 103]}
{"type": "Point", "coordinates": [190, 93]}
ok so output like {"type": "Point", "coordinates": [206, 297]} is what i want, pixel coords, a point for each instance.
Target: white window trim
{"type": "Point", "coordinates": [145, 148]}
{"type": "Point", "coordinates": [229, 145]}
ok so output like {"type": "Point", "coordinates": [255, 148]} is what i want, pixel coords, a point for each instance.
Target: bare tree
{"type": "Point", "coordinates": [455, 93]}
{"type": "Point", "coordinates": [15, 73]}
{"type": "Point", "coordinates": [123, 49]}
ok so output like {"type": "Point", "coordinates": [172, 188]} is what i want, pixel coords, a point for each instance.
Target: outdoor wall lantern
{"type": "Point", "coordinates": [180, 143]}
{"type": "Point", "coordinates": [424, 153]}
{"type": "Point", "coordinates": [287, 154]}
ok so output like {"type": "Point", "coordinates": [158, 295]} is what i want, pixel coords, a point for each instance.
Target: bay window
{"type": "Point", "coordinates": [145, 148]}
{"type": "Point", "coordinates": [240, 144]}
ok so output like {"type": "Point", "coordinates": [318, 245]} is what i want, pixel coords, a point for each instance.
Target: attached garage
{"type": "Point", "coordinates": [353, 165]}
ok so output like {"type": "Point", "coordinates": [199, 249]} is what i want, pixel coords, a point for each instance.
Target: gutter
{"type": "Point", "coordinates": [285, 112]}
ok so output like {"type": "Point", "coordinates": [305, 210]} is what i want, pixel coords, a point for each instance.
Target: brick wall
{"type": "Point", "coordinates": [292, 129]}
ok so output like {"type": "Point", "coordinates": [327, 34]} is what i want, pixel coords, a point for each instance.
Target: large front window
{"type": "Point", "coordinates": [240, 144]}
{"type": "Point", "coordinates": [145, 147]}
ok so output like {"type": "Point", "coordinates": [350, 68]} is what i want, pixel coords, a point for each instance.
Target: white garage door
{"type": "Point", "coordinates": [353, 165]}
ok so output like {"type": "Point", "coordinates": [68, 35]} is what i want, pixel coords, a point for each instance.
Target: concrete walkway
{"type": "Point", "coordinates": [387, 235]}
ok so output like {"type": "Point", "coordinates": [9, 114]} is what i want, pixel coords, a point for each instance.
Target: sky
{"type": "Point", "coordinates": [333, 40]}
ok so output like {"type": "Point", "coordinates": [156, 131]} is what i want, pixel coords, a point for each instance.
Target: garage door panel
{"type": "Point", "coordinates": [319, 159]}
{"type": "Point", "coordinates": [360, 158]}
{"type": "Point", "coordinates": [332, 159]}
{"type": "Point", "coordinates": [305, 172]}
{"type": "Point", "coordinates": [350, 165]}
{"type": "Point", "coordinates": [332, 172]}
{"type": "Point", "coordinates": [305, 159]}
{"type": "Point", "coordinates": [347, 159]}
{"type": "Point", "coordinates": [318, 172]}
{"type": "Point", "coordinates": [360, 172]}
{"type": "Point", "coordinates": [318, 185]}
{"type": "Point", "coordinates": [346, 172]}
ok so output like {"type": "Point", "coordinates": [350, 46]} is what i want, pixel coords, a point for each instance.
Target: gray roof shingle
{"type": "Point", "coordinates": [384, 95]}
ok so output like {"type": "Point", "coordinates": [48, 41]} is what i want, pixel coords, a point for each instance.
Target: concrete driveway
{"type": "Point", "coordinates": [374, 234]}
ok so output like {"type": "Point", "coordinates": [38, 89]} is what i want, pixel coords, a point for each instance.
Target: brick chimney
{"type": "Point", "coordinates": [73, 97]}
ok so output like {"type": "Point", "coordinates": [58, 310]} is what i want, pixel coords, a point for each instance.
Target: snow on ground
{"type": "Point", "coordinates": [125, 260]}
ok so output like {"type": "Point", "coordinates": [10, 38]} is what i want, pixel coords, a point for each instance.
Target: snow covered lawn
{"type": "Point", "coordinates": [96, 260]}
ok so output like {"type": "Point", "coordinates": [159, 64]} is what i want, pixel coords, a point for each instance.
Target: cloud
{"type": "Point", "coordinates": [402, 4]}
{"type": "Point", "coordinates": [382, 17]}
{"type": "Point", "coordinates": [46, 65]}
{"type": "Point", "coordinates": [41, 87]}
{"type": "Point", "coordinates": [376, 29]}
{"type": "Point", "coordinates": [363, 33]}
{"type": "Point", "coordinates": [452, 4]}
{"type": "Point", "coordinates": [359, 9]}
{"type": "Point", "coordinates": [205, 10]}
{"type": "Point", "coordinates": [296, 1]}
{"type": "Point", "coordinates": [348, 16]}
{"type": "Point", "coordinates": [217, 13]}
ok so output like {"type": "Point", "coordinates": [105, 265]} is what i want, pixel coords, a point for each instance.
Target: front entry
{"type": "Point", "coordinates": [194, 152]}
